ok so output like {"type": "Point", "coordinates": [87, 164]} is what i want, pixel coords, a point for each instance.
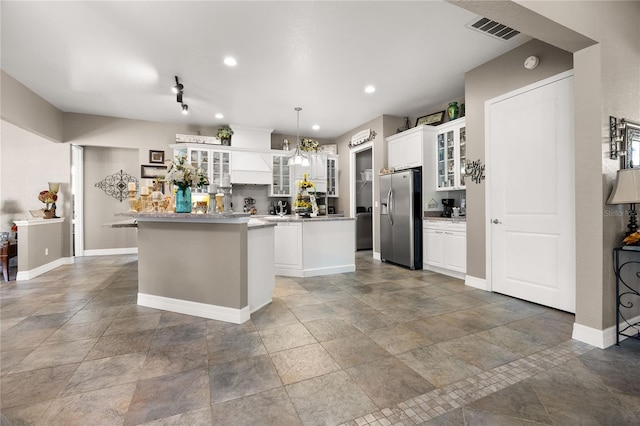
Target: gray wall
{"type": "Point", "coordinates": [22, 107]}
{"type": "Point", "coordinates": [606, 82]}
{"type": "Point", "coordinates": [39, 245]}
{"type": "Point", "coordinates": [100, 208]}
{"type": "Point", "coordinates": [502, 75]}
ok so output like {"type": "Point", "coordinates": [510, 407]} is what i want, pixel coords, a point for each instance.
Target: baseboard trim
{"type": "Point", "coordinates": [376, 255]}
{"type": "Point", "coordinates": [475, 282]}
{"type": "Point", "coordinates": [301, 273]}
{"type": "Point", "coordinates": [204, 310]}
{"type": "Point", "coordinates": [599, 338]}
{"type": "Point", "coordinates": [443, 271]}
{"type": "Point", "coordinates": [32, 273]}
{"type": "Point", "coordinates": [111, 252]}
{"type": "Point", "coordinates": [256, 308]}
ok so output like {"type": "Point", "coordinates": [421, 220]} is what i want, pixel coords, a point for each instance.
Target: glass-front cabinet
{"type": "Point", "coordinates": [332, 176]}
{"type": "Point", "coordinates": [281, 177]}
{"type": "Point", "coordinates": [215, 162]}
{"type": "Point", "coordinates": [451, 155]}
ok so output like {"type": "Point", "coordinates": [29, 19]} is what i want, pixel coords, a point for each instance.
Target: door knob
{"type": "Point", "coordinates": [496, 221]}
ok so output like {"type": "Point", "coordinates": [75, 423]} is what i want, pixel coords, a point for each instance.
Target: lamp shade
{"type": "Point", "coordinates": [627, 187]}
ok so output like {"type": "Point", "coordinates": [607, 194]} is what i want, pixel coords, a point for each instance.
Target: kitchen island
{"type": "Point", "coordinates": [217, 266]}
{"type": "Point", "coordinates": [308, 247]}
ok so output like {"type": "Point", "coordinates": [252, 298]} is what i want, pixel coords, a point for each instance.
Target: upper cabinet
{"type": "Point", "coordinates": [451, 155]}
{"type": "Point", "coordinates": [216, 162]}
{"type": "Point", "coordinates": [249, 167]}
{"type": "Point", "coordinates": [332, 176]}
{"type": "Point", "coordinates": [281, 175]}
{"type": "Point", "coordinates": [405, 150]}
{"type": "Point", "coordinates": [316, 171]}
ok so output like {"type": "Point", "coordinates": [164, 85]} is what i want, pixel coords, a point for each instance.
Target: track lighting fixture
{"type": "Point", "coordinates": [178, 88]}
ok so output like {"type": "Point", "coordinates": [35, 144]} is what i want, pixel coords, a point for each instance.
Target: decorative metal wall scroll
{"type": "Point", "coordinates": [475, 169]}
{"type": "Point", "coordinates": [116, 185]}
{"type": "Point", "coordinates": [362, 137]}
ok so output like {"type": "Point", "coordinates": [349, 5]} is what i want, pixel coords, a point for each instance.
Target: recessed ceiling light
{"type": "Point", "coordinates": [231, 62]}
{"type": "Point", "coordinates": [369, 89]}
{"type": "Point", "coordinates": [315, 127]}
{"type": "Point", "coordinates": [219, 116]}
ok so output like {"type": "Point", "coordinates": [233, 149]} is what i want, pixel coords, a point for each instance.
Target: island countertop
{"type": "Point", "coordinates": [231, 217]}
{"type": "Point", "coordinates": [293, 218]}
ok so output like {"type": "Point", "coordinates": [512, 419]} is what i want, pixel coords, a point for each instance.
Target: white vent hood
{"type": "Point", "coordinates": [252, 138]}
{"type": "Point", "coordinates": [251, 156]}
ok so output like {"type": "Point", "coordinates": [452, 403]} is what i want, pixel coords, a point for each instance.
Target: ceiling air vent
{"type": "Point", "coordinates": [492, 28]}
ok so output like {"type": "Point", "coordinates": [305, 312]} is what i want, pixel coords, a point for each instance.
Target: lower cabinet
{"type": "Point", "coordinates": [288, 245]}
{"type": "Point", "coordinates": [445, 247]}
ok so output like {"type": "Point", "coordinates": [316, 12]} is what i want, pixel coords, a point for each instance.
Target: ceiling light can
{"type": "Point", "coordinates": [369, 89]}
{"type": "Point", "coordinates": [230, 62]}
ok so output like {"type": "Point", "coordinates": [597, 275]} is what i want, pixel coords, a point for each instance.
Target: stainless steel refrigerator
{"type": "Point", "coordinates": [401, 218]}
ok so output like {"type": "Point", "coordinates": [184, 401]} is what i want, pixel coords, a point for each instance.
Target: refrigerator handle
{"type": "Point", "coordinates": [390, 198]}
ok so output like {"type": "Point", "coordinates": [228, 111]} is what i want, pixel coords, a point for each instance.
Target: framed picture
{"type": "Point", "coordinates": [152, 171]}
{"type": "Point", "coordinates": [156, 157]}
{"type": "Point", "coordinates": [431, 119]}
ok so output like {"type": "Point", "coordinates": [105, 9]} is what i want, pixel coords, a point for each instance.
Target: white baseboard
{"type": "Point", "coordinates": [32, 273]}
{"type": "Point", "coordinates": [256, 308]}
{"type": "Point", "coordinates": [599, 338]}
{"type": "Point", "coordinates": [376, 255]}
{"type": "Point", "coordinates": [111, 252]}
{"type": "Point", "coordinates": [448, 272]}
{"type": "Point", "coordinates": [220, 313]}
{"type": "Point", "coordinates": [475, 282]}
{"type": "Point", "coordinates": [300, 273]}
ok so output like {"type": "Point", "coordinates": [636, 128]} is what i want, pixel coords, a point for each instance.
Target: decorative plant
{"type": "Point", "coordinates": [302, 197]}
{"type": "Point", "coordinates": [225, 132]}
{"type": "Point", "coordinates": [48, 198]}
{"type": "Point", "coordinates": [307, 144]}
{"type": "Point", "coordinates": [183, 174]}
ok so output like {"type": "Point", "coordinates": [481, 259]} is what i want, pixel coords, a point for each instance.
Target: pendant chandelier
{"type": "Point", "coordinates": [298, 157]}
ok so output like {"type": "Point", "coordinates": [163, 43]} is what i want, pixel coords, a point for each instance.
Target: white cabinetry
{"type": "Point", "coordinates": [250, 167]}
{"type": "Point", "coordinates": [405, 150]}
{"type": "Point", "coordinates": [332, 175]}
{"type": "Point", "coordinates": [288, 243]}
{"type": "Point", "coordinates": [445, 247]}
{"type": "Point", "coordinates": [281, 176]}
{"type": "Point", "coordinates": [451, 155]}
{"type": "Point", "coordinates": [216, 162]}
{"type": "Point", "coordinates": [316, 171]}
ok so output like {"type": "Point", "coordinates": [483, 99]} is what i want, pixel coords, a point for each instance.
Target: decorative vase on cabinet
{"type": "Point", "coordinates": [453, 110]}
{"type": "Point", "coordinates": [183, 199]}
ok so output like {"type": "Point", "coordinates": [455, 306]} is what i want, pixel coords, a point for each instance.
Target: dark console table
{"type": "Point", "coordinates": [627, 268]}
{"type": "Point", "coordinates": [8, 251]}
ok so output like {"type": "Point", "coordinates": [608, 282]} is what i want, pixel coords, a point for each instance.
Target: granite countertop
{"type": "Point", "coordinates": [257, 223]}
{"type": "Point", "coordinates": [446, 219]}
{"type": "Point", "coordinates": [293, 218]}
{"type": "Point", "coordinates": [231, 217]}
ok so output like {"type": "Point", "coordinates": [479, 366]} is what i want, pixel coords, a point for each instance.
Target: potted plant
{"type": "Point", "coordinates": [224, 134]}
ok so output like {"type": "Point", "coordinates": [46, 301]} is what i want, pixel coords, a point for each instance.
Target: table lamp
{"type": "Point", "coordinates": [627, 191]}
{"type": "Point", "coordinates": [54, 187]}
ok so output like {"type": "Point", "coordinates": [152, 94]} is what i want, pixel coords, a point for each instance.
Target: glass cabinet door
{"type": "Point", "coordinates": [462, 156]}
{"type": "Point", "coordinates": [281, 177]}
{"type": "Point", "coordinates": [446, 160]}
{"type": "Point", "coordinates": [332, 177]}
{"type": "Point", "coordinates": [220, 166]}
{"type": "Point", "coordinates": [200, 158]}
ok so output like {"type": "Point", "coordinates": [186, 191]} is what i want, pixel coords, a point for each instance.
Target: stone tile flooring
{"type": "Point", "coordinates": [381, 346]}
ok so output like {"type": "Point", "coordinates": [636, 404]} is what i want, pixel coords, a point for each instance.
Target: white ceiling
{"type": "Point", "coordinates": [119, 58]}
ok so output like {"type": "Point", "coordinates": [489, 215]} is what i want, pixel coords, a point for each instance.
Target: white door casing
{"type": "Point", "coordinates": [530, 193]}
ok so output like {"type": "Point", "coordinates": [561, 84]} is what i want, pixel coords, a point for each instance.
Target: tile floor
{"type": "Point", "coordinates": [381, 346]}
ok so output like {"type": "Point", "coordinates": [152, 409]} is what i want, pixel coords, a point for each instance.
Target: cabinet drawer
{"type": "Point", "coordinates": [455, 226]}
{"type": "Point", "coordinates": [433, 224]}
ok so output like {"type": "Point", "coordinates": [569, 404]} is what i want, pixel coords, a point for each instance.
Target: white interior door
{"type": "Point", "coordinates": [530, 182]}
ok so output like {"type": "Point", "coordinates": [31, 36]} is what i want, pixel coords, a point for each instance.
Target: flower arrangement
{"type": "Point", "coordinates": [183, 174]}
{"type": "Point", "coordinates": [302, 201]}
{"type": "Point", "coordinates": [225, 132]}
{"type": "Point", "coordinates": [308, 145]}
{"type": "Point", "coordinates": [48, 198]}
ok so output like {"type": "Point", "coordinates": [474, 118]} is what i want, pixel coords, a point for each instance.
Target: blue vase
{"type": "Point", "coordinates": [183, 199]}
